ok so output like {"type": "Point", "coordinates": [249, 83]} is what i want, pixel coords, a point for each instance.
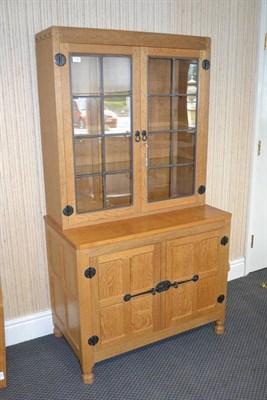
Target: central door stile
{"type": "Point", "coordinates": [94, 282]}
{"type": "Point", "coordinates": [127, 307]}
{"type": "Point", "coordinates": [157, 301]}
{"type": "Point", "coordinates": [163, 276]}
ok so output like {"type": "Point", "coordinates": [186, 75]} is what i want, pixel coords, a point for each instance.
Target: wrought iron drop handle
{"type": "Point", "coordinates": [137, 136]}
{"type": "Point", "coordinates": [144, 136]}
{"type": "Point", "coordinates": [162, 286]}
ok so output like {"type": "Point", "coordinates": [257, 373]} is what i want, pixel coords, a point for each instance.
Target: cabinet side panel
{"type": "Point", "coordinates": [64, 288]}
{"type": "Point", "coordinates": [49, 126]}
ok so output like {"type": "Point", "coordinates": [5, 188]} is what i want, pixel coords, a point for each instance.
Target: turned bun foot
{"type": "Point", "coordinates": [219, 327]}
{"type": "Point", "coordinates": [88, 378]}
{"type": "Point", "coordinates": [57, 332]}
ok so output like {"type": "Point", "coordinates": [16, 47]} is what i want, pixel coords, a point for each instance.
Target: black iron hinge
{"type": "Point", "coordinates": [90, 272]}
{"type": "Point", "coordinates": [93, 340]}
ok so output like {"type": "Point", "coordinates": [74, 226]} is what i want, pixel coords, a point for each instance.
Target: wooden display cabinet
{"type": "Point", "coordinates": [134, 253]}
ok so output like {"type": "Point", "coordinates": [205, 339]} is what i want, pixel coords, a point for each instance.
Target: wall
{"type": "Point", "coordinates": [232, 25]}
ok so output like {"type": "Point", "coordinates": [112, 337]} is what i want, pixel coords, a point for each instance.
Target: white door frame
{"type": "Point", "coordinates": [252, 218]}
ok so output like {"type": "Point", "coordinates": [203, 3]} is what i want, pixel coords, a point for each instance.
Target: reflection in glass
{"type": "Point", "coordinates": [118, 190]}
{"type": "Point", "coordinates": [117, 75]}
{"type": "Point", "coordinates": [184, 112]}
{"type": "Point", "coordinates": [101, 105]}
{"type": "Point", "coordinates": [117, 113]}
{"type": "Point", "coordinates": [89, 193]}
{"type": "Point", "coordinates": [183, 181]}
{"type": "Point", "coordinates": [186, 74]}
{"type": "Point", "coordinates": [159, 184]}
{"type": "Point", "coordinates": [159, 113]}
{"type": "Point", "coordinates": [85, 75]}
{"type": "Point", "coordinates": [159, 145]}
{"type": "Point", "coordinates": [88, 156]}
{"type": "Point", "coordinates": [118, 153]}
{"type": "Point", "coordinates": [183, 147]}
{"type": "Point", "coordinates": [86, 118]}
{"type": "Point", "coordinates": [160, 76]}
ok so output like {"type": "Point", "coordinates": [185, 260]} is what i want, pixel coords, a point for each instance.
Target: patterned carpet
{"type": "Point", "coordinates": [195, 365]}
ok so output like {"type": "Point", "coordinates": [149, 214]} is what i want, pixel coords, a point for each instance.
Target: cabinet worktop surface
{"type": "Point", "coordinates": [112, 232]}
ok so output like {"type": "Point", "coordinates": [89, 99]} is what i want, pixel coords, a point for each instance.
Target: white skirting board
{"type": "Point", "coordinates": [237, 269]}
{"type": "Point", "coordinates": [40, 324]}
{"type": "Point", "coordinates": [29, 327]}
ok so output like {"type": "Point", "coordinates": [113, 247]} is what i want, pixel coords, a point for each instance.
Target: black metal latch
{"type": "Point", "coordinates": [162, 286]}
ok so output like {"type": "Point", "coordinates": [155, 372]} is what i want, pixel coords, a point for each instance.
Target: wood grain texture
{"type": "Point", "coordinates": [233, 28]}
{"type": "Point", "coordinates": [139, 227]}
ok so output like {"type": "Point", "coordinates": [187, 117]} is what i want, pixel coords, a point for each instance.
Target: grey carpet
{"type": "Point", "coordinates": [194, 365]}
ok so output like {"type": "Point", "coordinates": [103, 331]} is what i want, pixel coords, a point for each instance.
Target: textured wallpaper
{"type": "Point", "coordinates": [233, 27]}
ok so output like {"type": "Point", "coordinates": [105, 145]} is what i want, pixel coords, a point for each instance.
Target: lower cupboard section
{"type": "Point", "coordinates": [111, 299]}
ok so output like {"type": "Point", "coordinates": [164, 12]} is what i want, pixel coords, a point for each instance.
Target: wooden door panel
{"type": "Point", "coordinates": [180, 302]}
{"type": "Point", "coordinates": [186, 257]}
{"type": "Point", "coordinates": [112, 323]}
{"type": "Point", "coordinates": [206, 297]}
{"type": "Point", "coordinates": [142, 314]}
{"type": "Point", "coordinates": [182, 257]}
{"type": "Point", "coordinates": [110, 279]}
{"type": "Point", "coordinates": [127, 272]}
{"type": "Point", "coordinates": [142, 276]}
{"type": "Point", "coordinates": [208, 254]}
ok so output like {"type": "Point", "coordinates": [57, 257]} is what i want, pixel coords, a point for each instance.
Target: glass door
{"type": "Point", "coordinates": [101, 102]}
{"type": "Point", "coordinates": [171, 98]}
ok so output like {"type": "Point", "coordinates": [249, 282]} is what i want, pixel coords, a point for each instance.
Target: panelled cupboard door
{"type": "Point", "coordinates": [174, 119]}
{"type": "Point", "coordinates": [130, 272]}
{"type": "Point", "coordinates": [101, 111]}
{"type": "Point", "coordinates": [200, 255]}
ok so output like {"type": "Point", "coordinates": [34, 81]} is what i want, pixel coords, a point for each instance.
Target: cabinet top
{"type": "Point", "coordinates": [119, 37]}
{"type": "Point", "coordinates": [136, 228]}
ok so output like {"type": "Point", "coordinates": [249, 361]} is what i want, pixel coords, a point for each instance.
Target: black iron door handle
{"type": "Point", "coordinates": [137, 136]}
{"type": "Point", "coordinates": [162, 286]}
{"type": "Point", "coordinates": [144, 136]}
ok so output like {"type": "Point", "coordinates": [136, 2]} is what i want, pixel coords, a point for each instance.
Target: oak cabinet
{"type": "Point", "coordinates": [124, 123]}
{"type": "Point", "coordinates": [134, 253]}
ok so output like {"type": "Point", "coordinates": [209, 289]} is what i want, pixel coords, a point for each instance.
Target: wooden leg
{"type": "Point", "coordinates": [219, 327]}
{"type": "Point", "coordinates": [88, 378]}
{"type": "Point", "coordinates": [57, 332]}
